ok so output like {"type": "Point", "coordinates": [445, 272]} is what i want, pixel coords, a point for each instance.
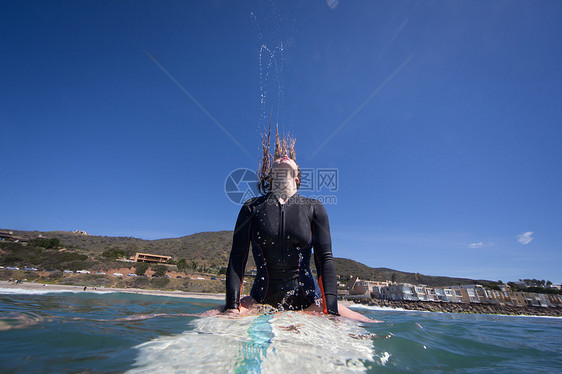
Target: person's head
{"type": "Point", "coordinates": [279, 168]}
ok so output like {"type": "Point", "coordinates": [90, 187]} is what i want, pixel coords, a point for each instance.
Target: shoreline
{"type": "Point", "coordinates": [139, 291]}
{"type": "Point", "coordinates": [426, 306]}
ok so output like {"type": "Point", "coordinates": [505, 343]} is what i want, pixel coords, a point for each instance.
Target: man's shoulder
{"type": "Point", "coordinates": [254, 201]}
{"type": "Point", "coordinates": [308, 201]}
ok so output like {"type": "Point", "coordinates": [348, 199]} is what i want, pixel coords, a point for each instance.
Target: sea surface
{"type": "Point", "coordinates": [110, 332]}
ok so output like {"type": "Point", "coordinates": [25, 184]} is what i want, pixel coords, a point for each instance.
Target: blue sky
{"type": "Point", "coordinates": [441, 118]}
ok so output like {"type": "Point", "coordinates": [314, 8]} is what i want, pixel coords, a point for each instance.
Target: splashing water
{"type": "Point", "coordinates": [271, 61]}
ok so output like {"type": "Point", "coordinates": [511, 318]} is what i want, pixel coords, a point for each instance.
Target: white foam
{"type": "Point", "coordinates": [379, 308]}
{"type": "Point", "coordinates": [46, 290]}
{"type": "Point", "coordinates": [288, 343]}
{"type": "Point", "coordinates": [384, 357]}
{"type": "Point", "coordinates": [524, 315]}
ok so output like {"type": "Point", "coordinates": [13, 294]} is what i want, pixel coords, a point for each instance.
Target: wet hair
{"type": "Point", "coordinates": [283, 146]}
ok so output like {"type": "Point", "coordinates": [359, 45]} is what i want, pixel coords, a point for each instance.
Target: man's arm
{"type": "Point", "coordinates": [238, 258]}
{"type": "Point", "coordinates": [322, 242]}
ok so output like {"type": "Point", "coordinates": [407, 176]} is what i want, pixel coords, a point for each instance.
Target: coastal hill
{"type": "Point", "coordinates": [211, 249]}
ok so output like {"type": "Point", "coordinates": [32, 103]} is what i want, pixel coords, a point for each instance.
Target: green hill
{"type": "Point", "coordinates": [212, 249]}
{"type": "Point", "coordinates": [347, 267]}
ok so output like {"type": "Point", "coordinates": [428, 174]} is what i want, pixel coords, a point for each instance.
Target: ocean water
{"type": "Point", "coordinates": [108, 332]}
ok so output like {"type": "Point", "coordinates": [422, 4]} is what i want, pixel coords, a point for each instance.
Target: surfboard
{"type": "Point", "coordinates": [288, 342]}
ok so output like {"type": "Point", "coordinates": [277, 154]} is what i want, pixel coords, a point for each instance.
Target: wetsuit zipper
{"type": "Point", "coordinates": [283, 227]}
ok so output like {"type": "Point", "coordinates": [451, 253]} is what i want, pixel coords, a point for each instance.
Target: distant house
{"type": "Point", "coordinates": [398, 291]}
{"type": "Point", "coordinates": [9, 236]}
{"type": "Point", "coordinates": [554, 300]}
{"type": "Point", "coordinates": [440, 294]}
{"type": "Point", "coordinates": [519, 299]}
{"type": "Point", "coordinates": [537, 299]}
{"type": "Point", "coordinates": [81, 232]}
{"type": "Point", "coordinates": [469, 293]}
{"type": "Point", "coordinates": [420, 292]}
{"type": "Point", "coordinates": [495, 297]}
{"type": "Point", "coordinates": [359, 287]}
{"type": "Point", "coordinates": [430, 294]}
{"type": "Point", "coordinates": [147, 257]}
{"type": "Point", "coordinates": [457, 295]}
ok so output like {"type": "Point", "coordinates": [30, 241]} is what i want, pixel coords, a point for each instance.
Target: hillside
{"type": "Point", "coordinates": [213, 248]}
{"type": "Point", "coordinates": [209, 248]}
{"type": "Point", "coordinates": [346, 266]}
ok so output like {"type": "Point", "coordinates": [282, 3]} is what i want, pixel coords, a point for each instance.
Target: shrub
{"type": "Point", "coordinates": [182, 265]}
{"type": "Point", "coordinates": [141, 268]}
{"type": "Point", "coordinates": [159, 270]}
{"type": "Point", "coordinates": [114, 253]}
{"type": "Point", "coordinates": [159, 282]}
{"type": "Point", "coordinates": [45, 243]}
{"type": "Point", "coordinates": [140, 282]}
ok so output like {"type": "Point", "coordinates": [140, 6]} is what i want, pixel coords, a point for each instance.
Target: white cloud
{"type": "Point", "coordinates": [525, 238]}
{"type": "Point", "coordinates": [476, 245]}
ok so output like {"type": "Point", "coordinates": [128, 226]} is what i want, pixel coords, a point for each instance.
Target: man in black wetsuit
{"type": "Point", "coordinates": [285, 230]}
{"type": "Point", "coordinates": [282, 237]}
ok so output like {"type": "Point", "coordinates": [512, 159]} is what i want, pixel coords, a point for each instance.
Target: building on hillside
{"type": "Point", "coordinates": [146, 257]}
{"type": "Point", "coordinates": [8, 236]}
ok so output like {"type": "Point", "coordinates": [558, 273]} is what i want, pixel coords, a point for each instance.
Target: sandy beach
{"type": "Point", "coordinates": [57, 287]}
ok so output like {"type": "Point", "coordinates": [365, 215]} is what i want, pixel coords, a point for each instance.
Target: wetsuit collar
{"type": "Point", "coordinates": [271, 198]}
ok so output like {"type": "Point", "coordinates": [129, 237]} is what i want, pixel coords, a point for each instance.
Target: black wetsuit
{"type": "Point", "coordinates": [282, 237]}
